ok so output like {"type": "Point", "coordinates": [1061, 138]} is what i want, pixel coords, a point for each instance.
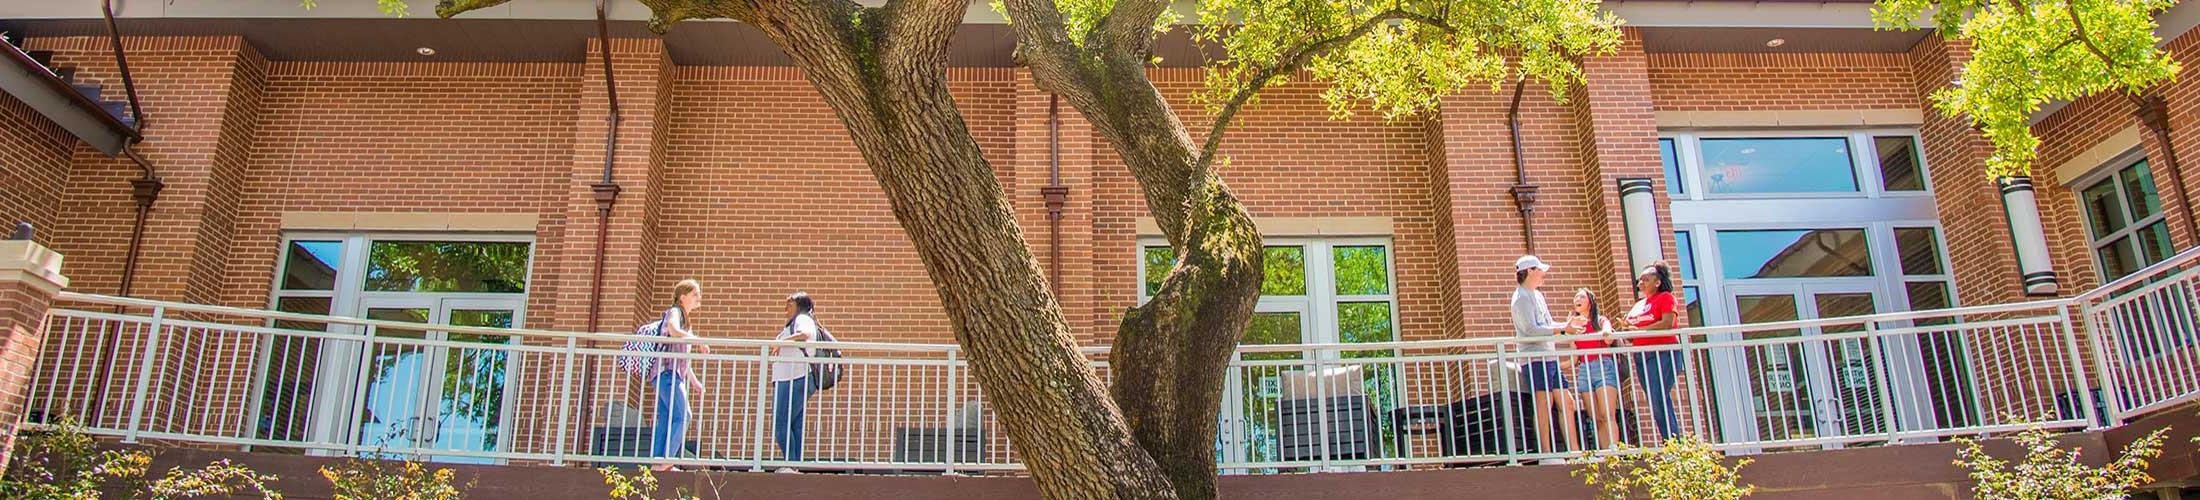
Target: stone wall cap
{"type": "Point", "coordinates": [29, 261]}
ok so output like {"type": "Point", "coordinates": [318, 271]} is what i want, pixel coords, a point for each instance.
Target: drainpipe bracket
{"type": "Point", "coordinates": [146, 189]}
{"type": "Point", "coordinates": [1524, 195]}
{"type": "Point", "coordinates": [606, 192]}
{"type": "Point", "coordinates": [1056, 197]}
{"type": "Point", "coordinates": [2152, 110]}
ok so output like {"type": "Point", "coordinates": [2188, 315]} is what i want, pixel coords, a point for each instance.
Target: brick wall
{"type": "Point", "coordinates": [1754, 82]}
{"type": "Point", "coordinates": [34, 167]}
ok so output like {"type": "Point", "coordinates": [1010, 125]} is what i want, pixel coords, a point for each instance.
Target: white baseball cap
{"type": "Point", "coordinates": [1527, 262]}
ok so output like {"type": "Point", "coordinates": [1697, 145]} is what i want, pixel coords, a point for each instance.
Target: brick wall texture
{"type": "Point", "coordinates": [742, 178]}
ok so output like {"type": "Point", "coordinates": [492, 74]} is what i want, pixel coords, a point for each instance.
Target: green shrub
{"type": "Point", "coordinates": [62, 462]}
{"type": "Point", "coordinates": [1683, 469]}
{"type": "Point", "coordinates": [2049, 472]}
{"type": "Point", "coordinates": [360, 479]}
{"type": "Point", "coordinates": [640, 486]}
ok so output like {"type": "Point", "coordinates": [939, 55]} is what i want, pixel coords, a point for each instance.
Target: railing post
{"type": "Point", "coordinates": [2097, 335]}
{"type": "Point", "coordinates": [952, 425]}
{"type": "Point", "coordinates": [1504, 394]}
{"type": "Point", "coordinates": [359, 390]}
{"type": "Point", "coordinates": [1878, 362]}
{"type": "Point", "coordinates": [565, 402]}
{"type": "Point", "coordinates": [30, 282]}
{"type": "Point", "coordinates": [763, 405]}
{"type": "Point", "coordinates": [145, 376]}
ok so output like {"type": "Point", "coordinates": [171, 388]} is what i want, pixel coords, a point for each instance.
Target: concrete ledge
{"type": "Point", "coordinates": [2123, 141]}
{"type": "Point", "coordinates": [1791, 118]}
{"type": "Point", "coordinates": [29, 262]}
{"type": "Point", "coordinates": [1300, 226]}
{"type": "Point", "coordinates": [410, 221]}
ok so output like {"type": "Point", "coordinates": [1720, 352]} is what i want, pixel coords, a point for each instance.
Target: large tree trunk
{"type": "Point", "coordinates": [889, 89]}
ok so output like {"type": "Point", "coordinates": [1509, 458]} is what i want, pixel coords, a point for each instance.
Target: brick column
{"type": "Point", "coordinates": [30, 277]}
{"type": "Point", "coordinates": [1619, 140]}
{"type": "Point", "coordinates": [1039, 149]}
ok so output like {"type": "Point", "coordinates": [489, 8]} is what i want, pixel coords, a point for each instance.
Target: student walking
{"type": "Point", "coordinates": [1546, 380]}
{"type": "Point", "coordinates": [1597, 375]}
{"type": "Point", "coordinates": [673, 379]}
{"type": "Point", "coordinates": [1657, 371]}
{"type": "Point", "coordinates": [791, 387]}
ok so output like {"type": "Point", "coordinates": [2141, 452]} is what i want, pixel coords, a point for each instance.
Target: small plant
{"type": "Point", "coordinates": [1684, 468]}
{"type": "Point", "coordinates": [64, 463]}
{"type": "Point", "coordinates": [640, 486]}
{"type": "Point", "coordinates": [361, 479]}
{"type": "Point", "coordinates": [2052, 473]}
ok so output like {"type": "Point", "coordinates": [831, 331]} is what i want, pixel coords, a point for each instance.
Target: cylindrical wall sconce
{"type": "Point", "coordinates": [1638, 206]}
{"type": "Point", "coordinates": [2017, 201]}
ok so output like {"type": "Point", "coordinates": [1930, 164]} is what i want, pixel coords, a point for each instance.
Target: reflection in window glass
{"type": "Point", "coordinates": [2104, 212]}
{"type": "Point", "coordinates": [1672, 163]}
{"type": "Point", "coordinates": [442, 266]}
{"type": "Point", "coordinates": [1364, 322]}
{"type": "Point", "coordinates": [1687, 252]}
{"type": "Point", "coordinates": [1920, 250]}
{"type": "Point", "coordinates": [311, 265]}
{"type": "Point", "coordinates": [1691, 299]}
{"type": "Point", "coordinates": [1363, 270]}
{"type": "Point", "coordinates": [1786, 165]}
{"type": "Point", "coordinates": [2154, 243]}
{"type": "Point", "coordinates": [1284, 271]}
{"type": "Point", "coordinates": [1157, 261]}
{"type": "Point", "coordinates": [1794, 253]}
{"type": "Point", "coordinates": [1274, 328]}
{"type": "Point", "coordinates": [2139, 191]}
{"type": "Point", "coordinates": [1898, 163]}
{"type": "Point", "coordinates": [1929, 295]}
{"type": "Point", "coordinates": [2117, 259]}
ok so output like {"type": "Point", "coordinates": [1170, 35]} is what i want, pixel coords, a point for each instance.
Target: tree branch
{"type": "Point", "coordinates": [1042, 41]}
{"type": "Point", "coordinates": [1293, 62]}
{"type": "Point", "coordinates": [2070, 6]}
{"type": "Point", "coordinates": [1128, 26]}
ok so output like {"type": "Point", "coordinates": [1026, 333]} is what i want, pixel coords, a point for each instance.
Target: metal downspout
{"type": "Point", "coordinates": [144, 190]}
{"type": "Point", "coordinates": [607, 194]}
{"type": "Point", "coordinates": [1523, 192]}
{"type": "Point", "coordinates": [2153, 112]}
{"type": "Point", "coordinates": [1056, 194]}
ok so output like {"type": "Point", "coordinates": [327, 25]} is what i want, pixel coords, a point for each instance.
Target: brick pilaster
{"type": "Point", "coordinates": [1619, 140]}
{"type": "Point", "coordinates": [1092, 319]}
{"type": "Point", "coordinates": [30, 278]}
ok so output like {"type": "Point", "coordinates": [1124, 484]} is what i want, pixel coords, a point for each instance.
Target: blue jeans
{"type": "Point", "coordinates": [1658, 371]}
{"type": "Point", "coordinates": [669, 438]}
{"type": "Point", "coordinates": [790, 402]}
{"type": "Point", "coordinates": [1595, 373]}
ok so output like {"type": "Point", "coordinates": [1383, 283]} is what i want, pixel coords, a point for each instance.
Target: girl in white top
{"type": "Point", "coordinates": [791, 387]}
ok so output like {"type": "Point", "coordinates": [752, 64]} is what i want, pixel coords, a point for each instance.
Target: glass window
{"type": "Point", "coordinates": [1784, 165]}
{"type": "Point", "coordinates": [1672, 162]}
{"type": "Point", "coordinates": [311, 265]}
{"type": "Point", "coordinates": [1929, 295]}
{"type": "Point", "coordinates": [1898, 163]}
{"type": "Point", "coordinates": [1157, 261]}
{"type": "Point", "coordinates": [2123, 214]}
{"type": "Point", "coordinates": [1284, 272]}
{"type": "Point", "coordinates": [1364, 322]}
{"type": "Point", "coordinates": [2104, 210]}
{"type": "Point", "coordinates": [1362, 270]}
{"type": "Point", "coordinates": [1274, 328]}
{"type": "Point", "coordinates": [1693, 301]}
{"type": "Point", "coordinates": [1920, 250]}
{"type": "Point", "coordinates": [2139, 191]}
{"type": "Point", "coordinates": [1687, 252]}
{"type": "Point", "coordinates": [442, 266]}
{"type": "Point", "coordinates": [1794, 253]}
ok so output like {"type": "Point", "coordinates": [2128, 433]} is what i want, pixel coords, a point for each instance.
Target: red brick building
{"type": "Point", "coordinates": [1797, 170]}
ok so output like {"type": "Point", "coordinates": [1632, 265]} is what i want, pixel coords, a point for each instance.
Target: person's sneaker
{"type": "Point", "coordinates": [787, 470]}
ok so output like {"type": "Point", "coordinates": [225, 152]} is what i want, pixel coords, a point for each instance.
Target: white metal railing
{"type": "Point", "coordinates": [282, 382]}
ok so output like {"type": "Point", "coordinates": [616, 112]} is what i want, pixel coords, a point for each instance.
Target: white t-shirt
{"type": "Point", "coordinates": [790, 370]}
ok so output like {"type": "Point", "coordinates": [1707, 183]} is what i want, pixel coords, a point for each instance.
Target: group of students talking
{"type": "Point", "coordinates": [1595, 377]}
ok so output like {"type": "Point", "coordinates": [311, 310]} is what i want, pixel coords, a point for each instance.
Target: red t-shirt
{"type": "Point", "coordinates": [1596, 326]}
{"type": "Point", "coordinates": [1653, 310]}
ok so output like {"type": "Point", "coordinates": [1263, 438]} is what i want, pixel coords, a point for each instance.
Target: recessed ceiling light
{"type": "Point", "coordinates": [425, 51]}
{"type": "Point", "coordinates": [1776, 42]}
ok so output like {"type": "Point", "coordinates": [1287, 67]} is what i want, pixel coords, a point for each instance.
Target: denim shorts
{"type": "Point", "coordinates": [1544, 376]}
{"type": "Point", "coordinates": [1595, 373]}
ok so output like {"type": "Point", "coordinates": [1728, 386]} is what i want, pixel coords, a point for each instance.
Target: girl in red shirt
{"type": "Point", "coordinates": [1658, 371]}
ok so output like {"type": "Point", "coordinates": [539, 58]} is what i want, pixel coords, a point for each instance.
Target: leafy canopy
{"type": "Point", "coordinates": [2031, 52]}
{"type": "Point", "coordinates": [1401, 57]}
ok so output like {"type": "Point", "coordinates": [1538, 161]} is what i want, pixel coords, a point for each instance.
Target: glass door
{"type": "Point", "coordinates": [1251, 394]}
{"type": "Point", "coordinates": [1802, 390]}
{"type": "Point", "coordinates": [437, 397]}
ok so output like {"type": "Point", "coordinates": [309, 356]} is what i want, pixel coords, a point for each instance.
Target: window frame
{"type": "Point", "coordinates": [1865, 167]}
{"type": "Point", "coordinates": [1321, 299]}
{"type": "Point", "coordinates": [2111, 172]}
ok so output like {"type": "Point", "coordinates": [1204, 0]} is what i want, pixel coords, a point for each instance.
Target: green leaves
{"type": "Point", "coordinates": [2049, 472]}
{"type": "Point", "coordinates": [1400, 58]}
{"type": "Point", "coordinates": [1684, 468]}
{"type": "Point", "coordinates": [2024, 55]}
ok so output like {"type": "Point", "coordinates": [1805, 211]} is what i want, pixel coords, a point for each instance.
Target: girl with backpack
{"type": "Point", "coordinates": [791, 381]}
{"type": "Point", "coordinates": [672, 378]}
